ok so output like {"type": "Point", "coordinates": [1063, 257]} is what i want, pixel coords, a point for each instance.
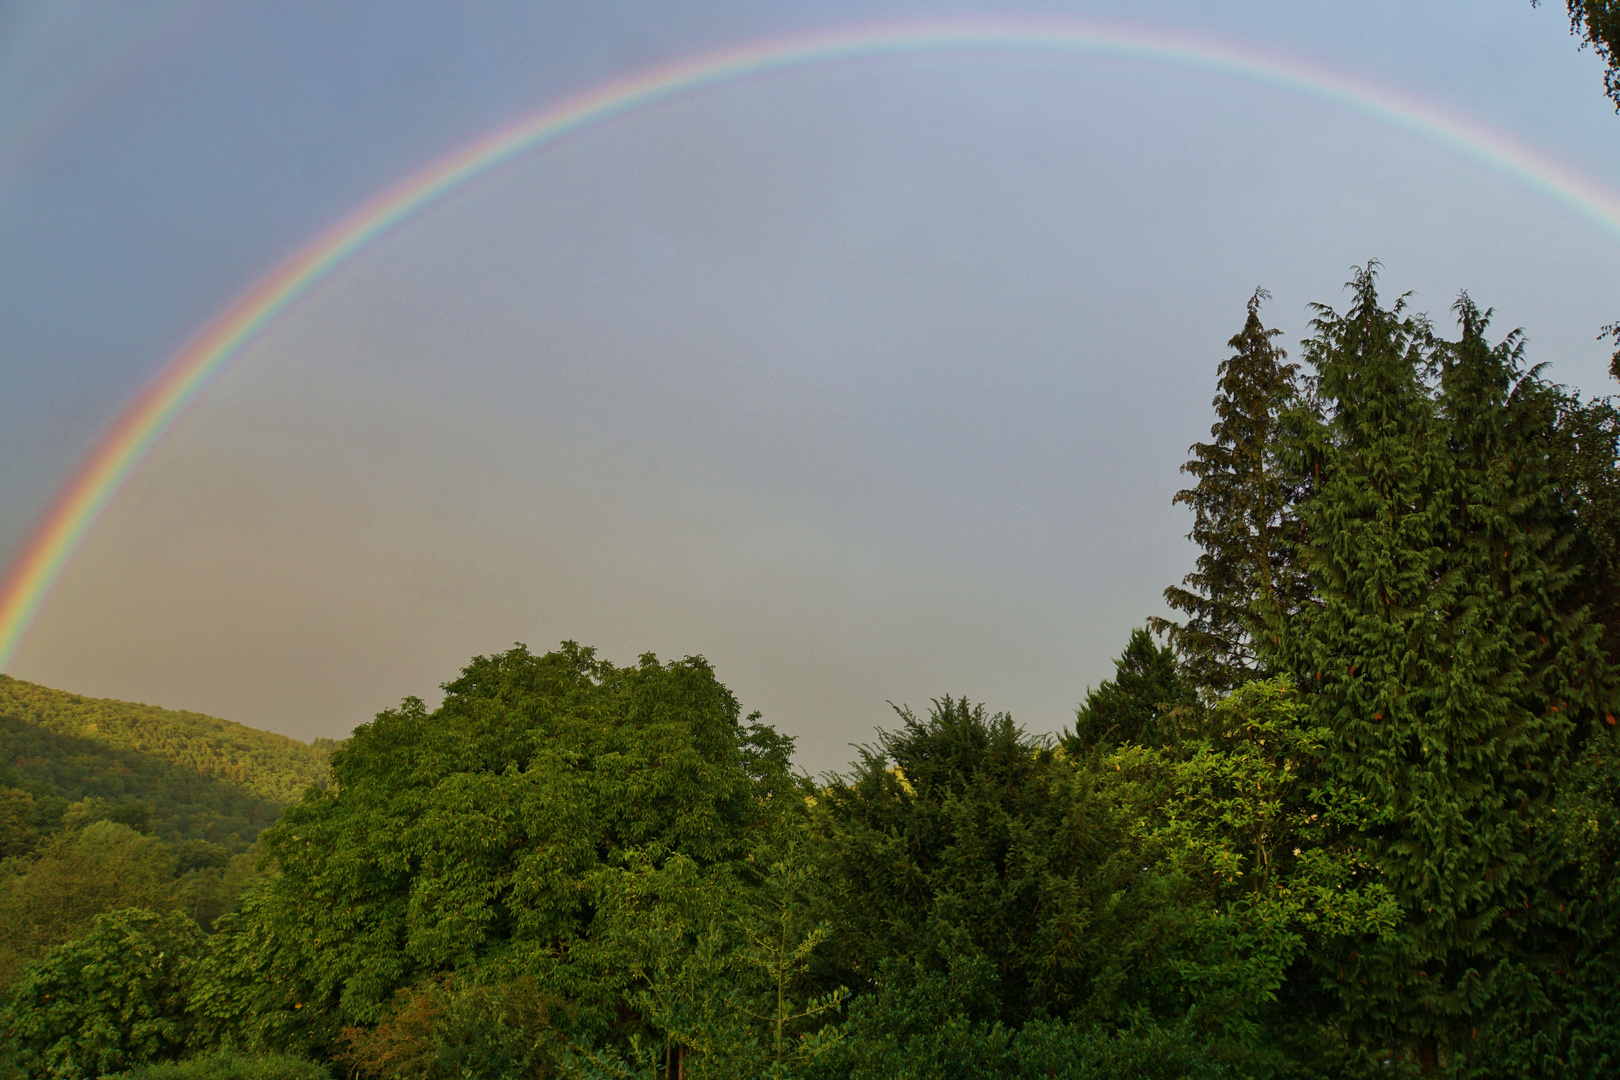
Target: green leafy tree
{"type": "Point", "coordinates": [926, 1018]}
{"type": "Point", "coordinates": [778, 955]}
{"type": "Point", "coordinates": [1141, 1051]}
{"type": "Point", "coordinates": [1232, 825]}
{"type": "Point", "coordinates": [79, 874]}
{"type": "Point", "coordinates": [1561, 1018]}
{"type": "Point", "coordinates": [110, 1000]}
{"type": "Point", "coordinates": [722, 964]}
{"type": "Point", "coordinates": [18, 833]}
{"type": "Point", "coordinates": [195, 777]}
{"type": "Point", "coordinates": [484, 833]}
{"type": "Point", "coordinates": [1597, 23]}
{"type": "Point", "coordinates": [1188, 924]}
{"type": "Point", "coordinates": [1246, 581]}
{"type": "Point", "coordinates": [271, 766]}
{"type": "Point", "coordinates": [1586, 466]}
{"type": "Point", "coordinates": [209, 891]}
{"type": "Point", "coordinates": [1372, 654]}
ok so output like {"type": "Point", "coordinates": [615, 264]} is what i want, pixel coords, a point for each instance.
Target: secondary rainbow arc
{"type": "Point", "coordinates": [122, 446]}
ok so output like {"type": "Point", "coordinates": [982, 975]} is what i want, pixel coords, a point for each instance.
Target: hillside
{"type": "Point", "coordinates": [201, 777]}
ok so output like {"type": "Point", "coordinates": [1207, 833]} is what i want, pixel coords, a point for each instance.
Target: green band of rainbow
{"type": "Point", "coordinates": [121, 448]}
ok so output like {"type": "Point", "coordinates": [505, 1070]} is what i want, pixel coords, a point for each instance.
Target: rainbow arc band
{"type": "Point", "coordinates": [123, 445]}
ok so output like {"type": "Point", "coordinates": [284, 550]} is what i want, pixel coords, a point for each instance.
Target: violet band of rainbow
{"type": "Point", "coordinates": [122, 446]}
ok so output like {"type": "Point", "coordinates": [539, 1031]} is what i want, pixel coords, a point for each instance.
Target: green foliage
{"type": "Point", "coordinates": [273, 767]}
{"type": "Point", "coordinates": [959, 835]}
{"type": "Point", "coordinates": [230, 1066]}
{"type": "Point", "coordinates": [493, 831]}
{"type": "Point", "coordinates": [1562, 1019]}
{"type": "Point", "coordinates": [1250, 882]}
{"type": "Point", "coordinates": [926, 1023]}
{"type": "Point", "coordinates": [778, 955]}
{"type": "Point", "coordinates": [110, 1000]}
{"type": "Point", "coordinates": [80, 874]}
{"type": "Point", "coordinates": [1450, 655]}
{"type": "Point", "coordinates": [208, 892]}
{"type": "Point", "coordinates": [1597, 23]}
{"type": "Point", "coordinates": [1143, 1051]}
{"type": "Point", "coordinates": [18, 831]}
{"type": "Point", "coordinates": [932, 1017]}
{"type": "Point", "coordinates": [1147, 701]}
{"type": "Point", "coordinates": [1181, 882]}
{"type": "Point", "coordinates": [720, 969]}
{"type": "Point", "coordinates": [94, 865]}
{"type": "Point", "coordinates": [1585, 452]}
{"type": "Point", "coordinates": [1246, 581]}
{"type": "Point", "coordinates": [451, 1027]}
{"type": "Point", "coordinates": [198, 777]}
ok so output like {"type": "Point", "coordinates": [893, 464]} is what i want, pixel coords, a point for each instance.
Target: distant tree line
{"type": "Point", "coordinates": [73, 746]}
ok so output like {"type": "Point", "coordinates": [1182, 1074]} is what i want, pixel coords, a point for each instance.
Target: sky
{"type": "Point", "coordinates": [867, 379]}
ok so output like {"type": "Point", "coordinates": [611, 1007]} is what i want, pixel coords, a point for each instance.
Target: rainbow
{"type": "Point", "coordinates": [132, 434]}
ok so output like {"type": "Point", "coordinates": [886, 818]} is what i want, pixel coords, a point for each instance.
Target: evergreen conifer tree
{"type": "Point", "coordinates": [1585, 457]}
{"type": "Point", "coordinates": [1531, 543]}
{"type": "Point", "coordinates": [1368, 650]}
{"type": "Point", "coordinates": [1136, 704]}
{"type": "Point", "coordinates": [1246, 578]}
{"type": "Point", "coordinates": [1449, 656]}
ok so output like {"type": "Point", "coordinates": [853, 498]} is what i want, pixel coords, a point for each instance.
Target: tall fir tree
{"type": "Point", "coordinates": [1367, 651]}
{"type": "Point", "coordinates": [1528, 678]}
{"type": "Point", "coordinates": [1450, 655]}
{"type": "Point", "coordinates": [1586, 460]}
{"type": "Point", "coordinates": [1246, 580]}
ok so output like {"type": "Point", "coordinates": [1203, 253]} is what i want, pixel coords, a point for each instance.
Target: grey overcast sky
{"type": "Point", "coordinates": [866, 380]}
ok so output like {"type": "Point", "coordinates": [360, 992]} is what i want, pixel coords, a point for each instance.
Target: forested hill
{"type": "Point", "coordinates": [198, 776]}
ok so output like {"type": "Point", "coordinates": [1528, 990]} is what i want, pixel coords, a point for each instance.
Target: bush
{"type": "Point", "coordinates": [113, 999]}
{"type": "Point", "coordinates": [228, 1066]}
{"type": "Point", "coordinates": [448, 1028]}
{"type": "Point", "coordinates": [1148, 1052]}
{"type": "Point", "coordinates": [932, 1019]}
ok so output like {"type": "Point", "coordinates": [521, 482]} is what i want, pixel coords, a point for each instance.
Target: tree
{"type": "Point", "coordinates": [1245, 579]}
{"type": "Point", "coordinates": [721, 961]}
{"type": "Point", "coordinates": [926, 1016]}
{"type": "Point", "coordinates": [79, 874]}
{"type": "Point", "coordinates": [175, 774]}
{"type": "Point", "coordinates": [228, 1065]}
{"type": "Point", "coordinates": [1232, 823]}
{"type": "Point", "coordinates": [207, 892]}
{"type": "Point", "coordinates": [1449, 654]}
{"type": "Point", "coordinates": [1138, 704]}
{"type": "Point", "coordinates": [1561, 1017]}
{"type": "Point", "coordinates": [113, 999]}
{"type": "Point", "coordinates": [957, 840]}
{"type": "Point", "coordinates": [485, 835]}
{"type": "Point", "coordinates": [1586, 465]}
{"type": "Point", "coordinates": [1597, 23]}
{"type": "Point", "coordinates": [1368, 650]}
{"type": "Point", "coordinates": [451, 1026]}
{"type": "Point", "coordinates": [17, 831]}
